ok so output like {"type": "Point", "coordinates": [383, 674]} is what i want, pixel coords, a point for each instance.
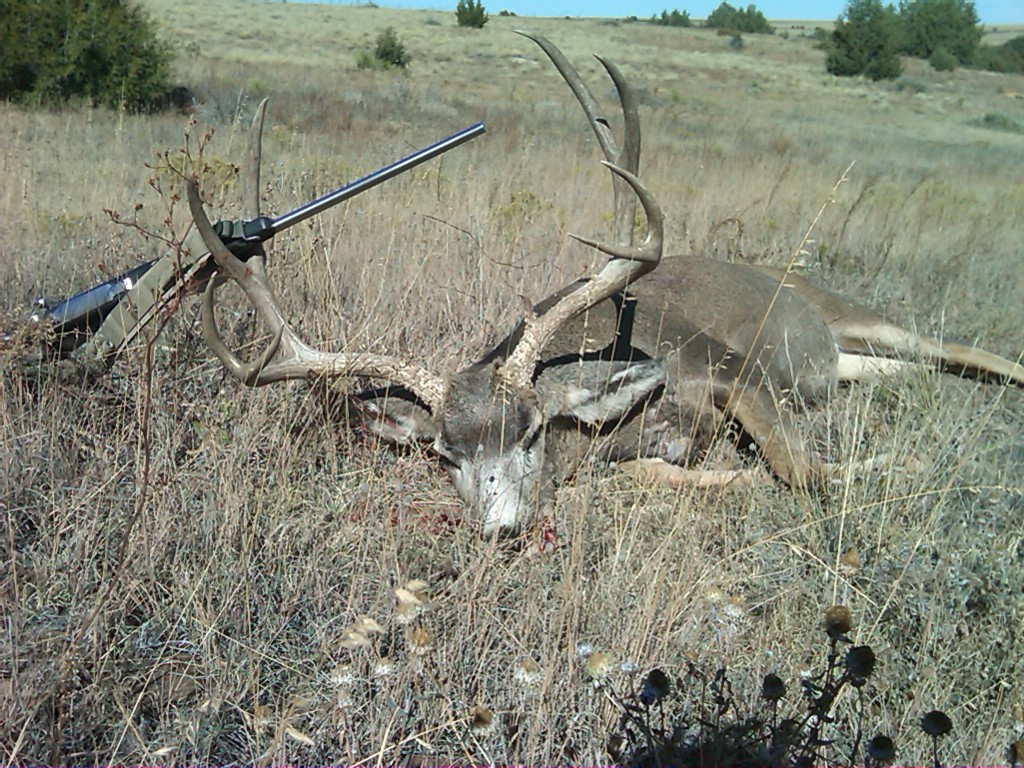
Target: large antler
{"type": "Point", "coordinates": [628, 155]}
{"type": "Point", "coordinates": [287, 357]}
{"type": "Point", "coordinates": [627, 264]}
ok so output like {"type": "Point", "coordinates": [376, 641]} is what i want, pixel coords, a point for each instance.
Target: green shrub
{"type": "Point", "coordinates": [942, 60]}
{"type": "Point", "coordinates": [471, 13]}
{"type": "Point", "coordinates": [1008, 57]}
{"type": "Point", "coordinates": [997, 121]}
{"type": "Point", "coordinates": [390, 53]}
{"type": "Point", "coordinates": [747, 19]}
{"type": "Point", "coordinates": [673, 18]}
{"type": "Point", "coordinates": [865, 41]}
{"type": "Point", "coordinates": [912, 85]}
{"type": "Point", "coordinates": [104, 51]}
{"type": "Point", "coordinates": [365, 60]}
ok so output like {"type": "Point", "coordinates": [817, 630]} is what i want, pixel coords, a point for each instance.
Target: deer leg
{"type": "Point", "coordinates": [863, 367]}
{"type": "Point", "coordinates": [675, 476]}
{"type": "Point", "coordinates": [394, 414]}
{"type": "Point", "coordinates": [674, 434]}
{"type": "Point", "coordinates": [778, 439]}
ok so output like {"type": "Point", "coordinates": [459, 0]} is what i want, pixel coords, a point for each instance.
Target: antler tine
{"type": "Point", "coordinates": [297, 360]}
{"type": "Point", "coordinates": [249, 181]}
{"type": "Point", "coordinates": [628, 155]}
{"type": "Point", "coordinates": [249, 201]}
{"type": "Point", "coordinates": [647, 255]}
{"type": "Point", "coordinates": [252, 373]}
{"type": "Point", "coordinates": [628, 263]}
{"type": "Point", "coordinates": [591, 108]}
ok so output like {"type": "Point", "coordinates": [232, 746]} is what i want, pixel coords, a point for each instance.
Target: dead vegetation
{"type": "Point", "coordinates": [187, 565]}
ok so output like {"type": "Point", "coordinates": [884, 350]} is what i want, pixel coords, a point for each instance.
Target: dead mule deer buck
{"type": "Point", "coordinates": [698, 343]}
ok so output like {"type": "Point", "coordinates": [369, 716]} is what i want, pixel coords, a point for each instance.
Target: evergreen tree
{"type": "Point", "coordinates": [747, 19]}
{"type": "Point", "coordinates": [930, 25]}
{"type": "Point", "coordinates": [471, 13]}
{"type": "Point", "coordinates": [675, 18]}
{"type": "Point", "coordinates": [105, 51]}
{"type": "Point", "coordinates": [865, 41]}
{"type": "Point", "coordinates": [1008, 57]}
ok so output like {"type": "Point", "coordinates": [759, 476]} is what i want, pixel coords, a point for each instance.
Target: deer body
{"type": "Point", "coordinates": [720, 358]}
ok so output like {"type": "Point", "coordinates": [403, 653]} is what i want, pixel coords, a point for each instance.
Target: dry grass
{"type": "Point", "coordinates": [182, 558]}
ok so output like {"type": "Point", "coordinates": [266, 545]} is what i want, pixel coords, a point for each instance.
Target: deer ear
{"type": "Point", "coordinates": [595, 391]}
{"type": "Point", "coordinates": [396, 416]}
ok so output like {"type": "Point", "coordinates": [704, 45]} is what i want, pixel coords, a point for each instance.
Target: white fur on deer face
{"type": "Point", "coordinates": [492, 440]}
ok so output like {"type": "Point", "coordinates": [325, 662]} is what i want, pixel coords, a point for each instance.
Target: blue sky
{"type": "Point", "coordinates": [990, 11]}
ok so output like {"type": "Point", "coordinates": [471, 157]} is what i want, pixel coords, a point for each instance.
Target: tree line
{"type": "Point", "coordinates": [869, 38]}
{"type": "Point", "coordinates": [107, 52]}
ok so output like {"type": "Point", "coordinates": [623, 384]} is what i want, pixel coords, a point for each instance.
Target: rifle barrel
{"type": "Point", "coordinates": [353, 188]}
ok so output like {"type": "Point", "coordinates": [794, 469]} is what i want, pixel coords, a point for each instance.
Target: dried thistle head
{"type": "Point", "coordinates": [421, 641]}
{"type": "Point", "coordinates": [384, 666]}
{"type": "Point", "coordinates": [404, 595]}
{"type": "Point", "coordinates": [418, 587]}
{"type": "Point", "coordinates": [772, 687]}
{"type": "Point", "coordinates": [936, 723]}
{"type": "Point", "coordinates": [849, 562]}
{"type": "Point", "coordinates": [342, 675]}
{"type": "Point", "coordinates": [344, 699]}
{"type": "Point", "coordinates": [881, 749]}
{"type": "Point", "coordinates": [657, 686]}
{"type": "Point", "coordinates": [528, 672]}
{"type": "Point", "coordinates": [735, 608]}
{"type": "Point", "coordinates": [599, 664]}
{"type": "Point", "coordinates": [838, 621]}
{"type": "Point", "coordinates": [367, 626]}
{"type": "Point", "coordinates": [353, 639]}
{"type": "Point", "coordinates": [482, 720]}
{"type": "Point", "coordinates": [584, 649]}
{"type": "Point", "coordinates": [1017, 752]}
{"type": "Point", "coordinates": [409, 606]}
{"type": "Point", "coordinates": [860, 663]}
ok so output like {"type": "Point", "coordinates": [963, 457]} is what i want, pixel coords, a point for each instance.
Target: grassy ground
{"type": "Point", "coordinates": [183, 559]}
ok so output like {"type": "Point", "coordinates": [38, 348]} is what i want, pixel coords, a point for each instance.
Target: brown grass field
{"type": "Point", "coordinates": [182, 557]}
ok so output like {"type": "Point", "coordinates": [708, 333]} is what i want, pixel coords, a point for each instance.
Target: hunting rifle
{"type": "Point", "coordinates": [74, 319]}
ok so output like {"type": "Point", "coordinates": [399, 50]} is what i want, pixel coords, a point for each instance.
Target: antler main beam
{"type": "Point", "coordinates": [628, 263]}
{"type": "Point", "coordinates": [626, 156]}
